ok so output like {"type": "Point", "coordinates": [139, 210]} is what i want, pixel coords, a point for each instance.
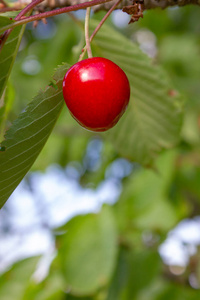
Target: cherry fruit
{"type": "Point", "coordinates": [96, 92]}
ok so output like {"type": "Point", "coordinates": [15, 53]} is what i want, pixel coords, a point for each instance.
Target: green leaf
{"type": "Point", "coordinates": [13, 283]}
{"type": "Point", "coordinates": [9, 52]}
{"type": "Point", "coordinates": [71, 297]}
{"type": "Point", "coordinates": [5, 21]}
{"type": "Point", "coordinates": [50, 288]}
{"type": "Point", "coordinates": [176, 292]}
{"type": "Point", "coordinates": [118, 285]}
{"type": "Point", "coordinates": [27, 136]}
{"type": "Point", "coordinates": [135, 271]}
{"type": "Point", "coordinates": [153, 119]}
{"type": "Point", "coordinates": [146, 266]}
{"type": "Point", "coordinates": [6, 103]}
{"type": "Point", "coordinates": [88, 251]}
{"type": "Point", "coordinates": [144, 201]}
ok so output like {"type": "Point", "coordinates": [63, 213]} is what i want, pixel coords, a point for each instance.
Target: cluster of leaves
{"type": "Point", "coordinates": [105, 255]}
{"type": "Point", "coordinates": [113, 254]}
{"type": "Point", "coordinates": [152, 121]}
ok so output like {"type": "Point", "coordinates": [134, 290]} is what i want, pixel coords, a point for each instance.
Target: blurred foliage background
{"type": "Point", "coordinates": [111, 251]}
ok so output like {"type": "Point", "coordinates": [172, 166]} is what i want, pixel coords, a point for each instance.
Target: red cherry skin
{"type": "Point", "coordinates": [96, 92]}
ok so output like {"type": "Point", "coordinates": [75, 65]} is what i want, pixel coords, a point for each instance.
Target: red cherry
{"type": "Point", "coordinates": [96, 92]}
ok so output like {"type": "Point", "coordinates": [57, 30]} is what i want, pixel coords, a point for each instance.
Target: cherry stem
{"type": "Point", "coordinates": [53, 13]}
{"type": "Point", "coordinates": [98, 27]}
{"type": "Point", "coordinates": [87, 35]}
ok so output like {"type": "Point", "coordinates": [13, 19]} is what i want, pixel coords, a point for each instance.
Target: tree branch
{"type": "Point", "coordinates": [52, 13]}
{"type": "Point", "coordinates": [51, 4]}
{"type": "Point", "coordinates": [166, 3]}
{"type": "Point", "coordinates": [47, 5]}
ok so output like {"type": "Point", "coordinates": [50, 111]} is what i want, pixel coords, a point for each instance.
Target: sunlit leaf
{"type": "Point", "coordinates": [50, 288]}
{"type": "Point", "coordinates": [144, 200]}
{"type": "Point", "coordinates": [88, 251]}
{"type": "Point", "coordinates": [14, 282]}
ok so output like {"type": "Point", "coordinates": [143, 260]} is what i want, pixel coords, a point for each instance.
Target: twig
{"type": "Point", "coordinates": [25, 10]}
{"type": "Point", "coordinates": [53, 13]}
{"type": "Point", "coordinates": [99, 26]}
{"type": "Point", "coordinates": [104, 19]}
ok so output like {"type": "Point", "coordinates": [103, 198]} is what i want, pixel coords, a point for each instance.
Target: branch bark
{"type": "Point", "coordinates": [149, 4]}
{"type": "Point", "coordinates": [166, 3]}
{"type": "Point", "coordinates": [48, 5]}
{"type": "Point", "coordinates": [52, 4]}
